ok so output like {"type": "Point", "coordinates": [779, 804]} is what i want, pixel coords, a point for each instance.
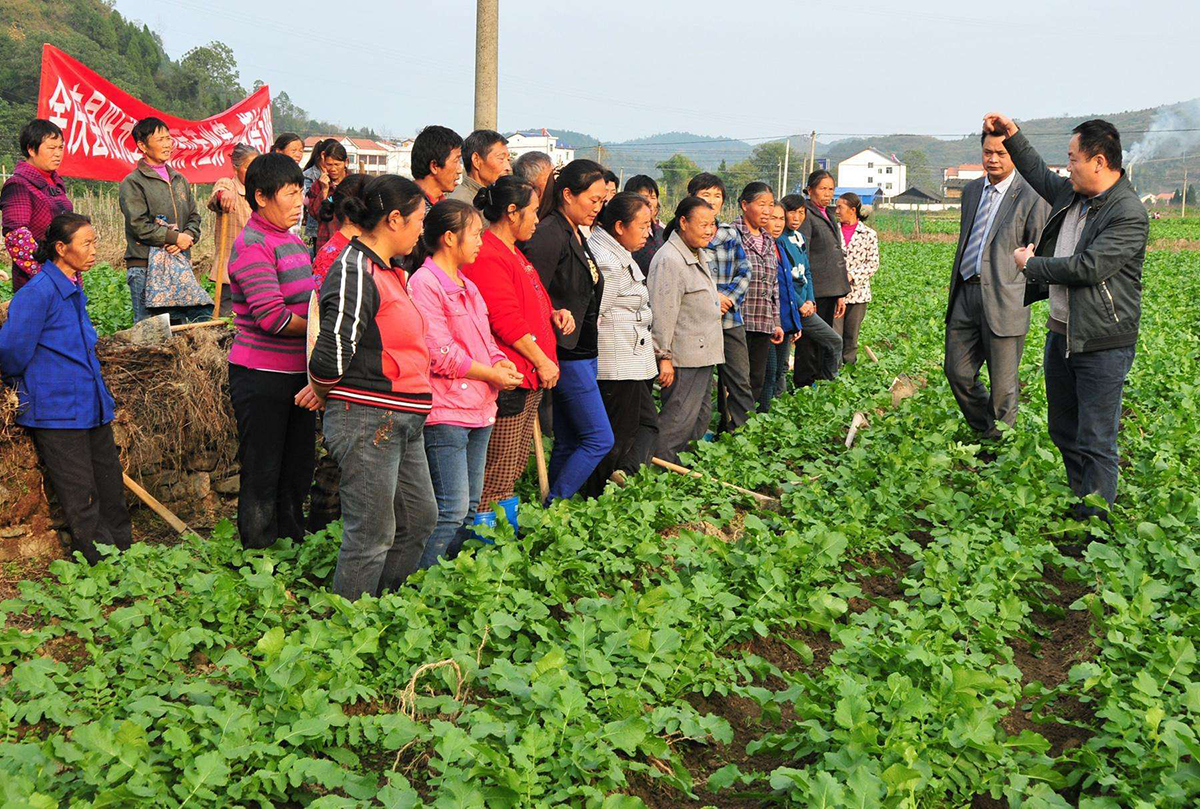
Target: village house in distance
{"type": "Point", "coordinates": [377, 156]}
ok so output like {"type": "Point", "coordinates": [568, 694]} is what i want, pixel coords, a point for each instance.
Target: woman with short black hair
{"type": "Point", "coordinates": [32, 196]}
{"type": "Point", "coordinates": [688, 335]}
{"type": "Point", "coordinates": [290, 144]}
{"type": "Point", "coordinates": [48, 348]}
{"type": "Point", "coordinates": [270, 282]}
{"type": "Point", "coordinates": [582, 435]}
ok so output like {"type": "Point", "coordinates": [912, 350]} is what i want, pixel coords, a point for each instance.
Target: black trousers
{"type": "Point", "coordinates": [325, 502]}
{"type": "Point", "coordinates": [808, 365]}
{"type": "Point", "coordinates": [758, 346]}
{"type": "Point", "coordinates": [646, 439]}
{"type": "Point", "coordinates": [85, 473]}
{"type": "Point", "coordinates": [628, 402]}
{"type": "Point", "coordinates": [276, 449]}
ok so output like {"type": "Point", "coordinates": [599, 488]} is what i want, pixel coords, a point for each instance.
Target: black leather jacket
{"type": "Point", "coordinates": [1104, 276]}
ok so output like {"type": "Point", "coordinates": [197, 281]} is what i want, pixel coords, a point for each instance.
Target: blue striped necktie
{"type": "Point", "coordinates": [970, 259]}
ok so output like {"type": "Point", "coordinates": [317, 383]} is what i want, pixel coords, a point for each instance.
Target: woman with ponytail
{"type": "Point", "coordinates": [861, 246]}
{"type": "Point", "coordinates": [468, 370]}
{"type": "Point", "coordinates": [625, 363]}
{"type": "Point", "coordinates": [48, 349]}
{"type": "Point", "coordinates": [582, 435]}
{"type": "Point", "coordinates": [370, 365]}
{"type": "Point", "coordinates": [343, 229]}
{"type": "Point", "coordinates": [522, 323]}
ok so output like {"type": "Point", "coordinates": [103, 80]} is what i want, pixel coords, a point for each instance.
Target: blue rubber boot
{"type": "Point", "coordinates": [512, 506]}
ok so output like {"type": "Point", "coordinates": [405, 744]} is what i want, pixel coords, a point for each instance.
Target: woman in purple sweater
{"type": "Point", "coordinates": [270, 281]}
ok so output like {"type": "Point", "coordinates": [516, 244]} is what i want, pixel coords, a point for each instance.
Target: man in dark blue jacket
{"type": "Point", "coordinates": [1089, 264]}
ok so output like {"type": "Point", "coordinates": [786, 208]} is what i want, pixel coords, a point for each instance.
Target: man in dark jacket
{"type": "Point", "coordinates": [1088, 262]}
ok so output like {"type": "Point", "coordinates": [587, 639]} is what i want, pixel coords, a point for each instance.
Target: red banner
{"type": "Point", "coordinates": [96, 118]}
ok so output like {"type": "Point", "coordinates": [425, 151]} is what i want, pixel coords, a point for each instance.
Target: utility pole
{"type": "Point", "coordinates": [787, 152]}
{"type": "Point", "coordinates": [812, 153]}
{"type": "Point", "coordinates": [1183, 201]}
{"type": "Point", "coordinates": [778, 173]}
{"type": "Point", "coordinates": [487, 35]}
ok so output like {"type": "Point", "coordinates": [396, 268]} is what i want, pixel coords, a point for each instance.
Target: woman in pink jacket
{"type": "Point", "coordinates": [467, 368]}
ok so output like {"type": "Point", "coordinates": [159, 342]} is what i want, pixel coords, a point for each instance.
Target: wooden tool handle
{"type": "Point", "coordinates": [765, 500]}
{"type": "Point", "coordinates": [539, 458]}
{"type": "Point", "coordinates": [158, 508]}
{"type": "Point", "coordinates": [201, 325]}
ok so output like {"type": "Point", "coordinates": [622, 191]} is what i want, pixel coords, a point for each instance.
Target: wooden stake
{"type": "Point", "coordinates": [769, 502]}
{"type": "Point", "coordinates": [204, 324]}
{"type": "Point", "coordinates": [870, 354]}
{"type": "Point", "coordinates": [222, 260]}
{"type": "Point", "coordinates": [856, 423]}
{"type": "Point", "coordinates": [539, 458]}
{"type": "Point", "coordinates": [158, 508]}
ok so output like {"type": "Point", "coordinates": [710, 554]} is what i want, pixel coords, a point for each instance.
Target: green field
{"type": "Point", "coordinates": [903, 632]}
{"type": "Point", "coordinates": [1171, 227]}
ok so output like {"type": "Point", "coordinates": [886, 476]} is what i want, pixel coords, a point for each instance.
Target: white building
{"type": "Point", "coordinates": [873, 168]}
{"type": "Point", "coordinates": [363, 155]}
{"type": "Point", "coordinates": [520, 143]}
{"type": "Point", "coordinates": [399, 156]}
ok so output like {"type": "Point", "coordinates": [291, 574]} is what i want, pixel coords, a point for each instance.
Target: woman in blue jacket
{"type": "Point", "coordinates": [48, 352]}
{"type": "Point", "coordinates": [792, 243]}
{"type": "Point", "coordinates": [789, 316]}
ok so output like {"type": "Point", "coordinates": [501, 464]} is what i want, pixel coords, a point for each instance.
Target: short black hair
{"type": "Point", "coordinates": [35, 133]}
{"type": "Point", "coordinates": [997, 133]}
{"type": "Point", "coordinates": [610, 176]}
{"type": "Point", "coordinates": [817, 177]}
{"type": "Point", "coordinates": [792, 202]}
{"type": "Point", "coordinates": [146, 127]}
{"type": "Point", "coordinates": [270, 173]}
{"type": "Point", "coordinates": [642, 182]}
{"type": "Point", "coordinates": [1099, 137]}
{"type": "Point", "coordinates": [480, 142]}
{"type": "Point", "coordinates": [706, 179]}
{"type": "Point", "coordinates": [433, 144]}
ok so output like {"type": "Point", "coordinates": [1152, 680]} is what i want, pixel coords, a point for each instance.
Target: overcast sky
{"type": "Point", "coordinates": [741, 68]}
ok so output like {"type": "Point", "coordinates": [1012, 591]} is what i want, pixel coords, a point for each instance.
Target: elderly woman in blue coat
{"type": "Point", "coordinates": [48, 353]}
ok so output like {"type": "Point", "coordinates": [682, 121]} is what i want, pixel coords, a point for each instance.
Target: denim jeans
{"type": "Point", "coordinates": [777, 374]}
{"type": "Point", "coordinates": [457, 456]}
{"type": "Point", "coordinates": [388, 505]}
{"type": "Point", "coordinates": [1083, 396]}
{"type": "Point", "coordinates": [136, 278]}
{"type": "Point", "coordinates": [582, 434]}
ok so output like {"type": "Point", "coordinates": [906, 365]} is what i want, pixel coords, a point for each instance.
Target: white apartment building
{"type": "Point", "coordinates": [873, 168]}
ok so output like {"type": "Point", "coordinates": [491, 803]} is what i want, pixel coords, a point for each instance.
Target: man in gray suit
{"type": "Point", "coordinates": [987, 319]}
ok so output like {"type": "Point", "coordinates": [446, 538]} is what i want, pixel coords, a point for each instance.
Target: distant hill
{"type": "Point", "coordinates": [1144, 130]}
{"type": "Point", "coordinates": [1147, 137]}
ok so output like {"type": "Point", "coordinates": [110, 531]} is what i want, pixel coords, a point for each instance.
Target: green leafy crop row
{"type": "Point", "coordinates": [586, 663]}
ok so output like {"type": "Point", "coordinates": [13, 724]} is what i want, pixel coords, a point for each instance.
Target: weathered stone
{"type": "Point", "coordinates": [203, 461]}
{"type": "Point", "coordinates": [229, 485]}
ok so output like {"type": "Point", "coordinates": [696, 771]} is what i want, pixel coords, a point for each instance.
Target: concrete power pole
{"type": "Point", "coordinates": [487, 36]}
{"type": "Point", "coordinates": [787, 152]}
{"type": "Point", "coordinates": [1183, 201]}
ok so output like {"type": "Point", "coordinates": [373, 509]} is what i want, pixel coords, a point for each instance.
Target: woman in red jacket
{"type": "Point", "coordinates": [371, 365]}
{"type": "Point", "coordinates": [522, 322]}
